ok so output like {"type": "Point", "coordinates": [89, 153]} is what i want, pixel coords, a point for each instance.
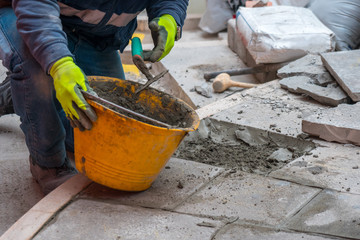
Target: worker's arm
{"type": "Point", "coordinates": [39, 24]}
{"type": "Point", "coordinates": [166, 19]}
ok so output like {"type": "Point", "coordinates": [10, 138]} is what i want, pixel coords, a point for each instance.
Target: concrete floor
{"type": "Point", "coordinates": [316, 196]}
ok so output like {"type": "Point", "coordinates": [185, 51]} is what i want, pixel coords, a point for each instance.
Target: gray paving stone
{"type": "Point", "coordinates": [331, 94]}
{"type": "Point", "coordinates": [238, 231]}
{"type": "Point", "coordinates": [309, 66]}
{"type": "Point", "coordinates": [249, 197]}
{"type": "Point", "coordinates": [330, 165]}
{"type": "Point", "coordinates": [340, 124]}
{"type": "Point", "coordinates": [269, 106]}
{"type": "Point", "coordinates": [344, 66]}
{"type": "Point", "coordinates": [18, 191]}
{"type": "Point", "coordinates": [333, 213]}
{"type": "Point", "coordinates": [85, 219]}
{"type": "Point", "coordinates": [176, 182]}
{"type": "Point", "coordinates": [12, 140]}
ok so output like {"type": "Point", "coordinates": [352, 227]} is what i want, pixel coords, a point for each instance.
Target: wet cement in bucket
{"type": "Point", "coordinates": [178, 117]}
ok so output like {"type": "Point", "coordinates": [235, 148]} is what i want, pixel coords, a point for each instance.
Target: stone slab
{"type": "Point", "coordinates": [235, 230]}
{"type": "Point", "coordinates": [333, 213]}
{"type": "Point", "coordinates": [330, 165]}
{"type": "Point", "coordinates": [344, 66]}
{"type": "Point", "coordinates": [331, 94]}
{"type": "Point", "coordinates": [12, 140]}
{"type": "Point", "coordinates": [18, 191]}
{"type": "Point", "coordinates": [340, 124]}
{"type": "Point", "coordinates": [309, 66]}
{"type": "Point", "coordinates": [85, 219]}
{"type": "Point", "coordinates": [248, 197]}
{"type": "Point", "coordinates": [179, 180]}
{"type": "Point", "coordinates": [268, 106]}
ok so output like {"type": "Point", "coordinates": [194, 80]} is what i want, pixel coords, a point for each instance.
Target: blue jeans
{"type": "Point", "coordinates": [48, 133]}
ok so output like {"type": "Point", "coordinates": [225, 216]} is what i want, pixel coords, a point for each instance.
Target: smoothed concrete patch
{"type": "Point", "coordinates": [85, 219]}
{"type": "Point", "coordinates": [238, 231]}
{"type": "Point", "coordinates": [330, 165]}
{"type": "Point", "coordinates": [176, 182]}
{"type": "Point", "coordinates": [269, 108]}
{"type": "Point", "coordinates": [249, 197]}
{"type": "Point", "coordinates": [340, 124]}
{"type": "Point", "coordinates": [333, 213]}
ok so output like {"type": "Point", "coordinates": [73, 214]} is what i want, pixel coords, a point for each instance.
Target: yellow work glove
{"type": "Point", "coordinates": [68, 81]}
{"type": "Point", "coordinates": [163, 31]}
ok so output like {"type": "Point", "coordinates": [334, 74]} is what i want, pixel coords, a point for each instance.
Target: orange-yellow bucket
{"type": "Point", "coordinates": [126, 154]}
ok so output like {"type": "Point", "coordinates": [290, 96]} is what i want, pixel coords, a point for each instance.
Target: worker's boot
{"type": "Point", "coordinates": [51, 178]}
{"type": "Point", "coordinates": [6, 105]}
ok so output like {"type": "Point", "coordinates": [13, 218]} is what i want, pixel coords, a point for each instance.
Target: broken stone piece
{"type": "Point", "coordinates": [204, 90]}
{"type": "Point", "coordinates": [281, 155]}
{"type": "Point", "coordinates": [331, 94]}
{"type": "Point", "coordinates": [340, 124]}
{"type": "Point", "coordinates": [252, 136]}
{"type": "Point", "coordinates": [344, 66]}
{"type": "Point", "coordinates": [310, 66]}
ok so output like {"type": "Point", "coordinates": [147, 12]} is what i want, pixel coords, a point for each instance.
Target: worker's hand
{"type": "Point", "coordinates": [163, 31]}
{"type": "Point", "coordinates": [68, 81]}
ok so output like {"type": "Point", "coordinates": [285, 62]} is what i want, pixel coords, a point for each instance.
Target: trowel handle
{"type": "Point", "coordinates": [136, 47]}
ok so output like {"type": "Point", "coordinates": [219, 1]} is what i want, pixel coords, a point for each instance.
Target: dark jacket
{"type": "Point", "coordinates": [104, 23]}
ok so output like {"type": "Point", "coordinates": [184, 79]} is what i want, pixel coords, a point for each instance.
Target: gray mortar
{"type": "Point", "coordinates": [216, 143]}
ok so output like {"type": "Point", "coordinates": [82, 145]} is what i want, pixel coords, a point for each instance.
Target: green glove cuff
{"type": "Point", "coordinates": [169, 23]}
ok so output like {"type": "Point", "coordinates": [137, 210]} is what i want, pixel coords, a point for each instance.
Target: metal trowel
{"type": "Point", "coordinates": [138, 59]}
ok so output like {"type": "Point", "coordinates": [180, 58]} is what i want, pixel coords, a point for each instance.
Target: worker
{"type": "Point", "coordinates": [49, 47]}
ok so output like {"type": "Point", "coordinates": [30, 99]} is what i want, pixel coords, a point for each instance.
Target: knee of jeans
{"type": "Point", "coordinates": [16, 71]}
